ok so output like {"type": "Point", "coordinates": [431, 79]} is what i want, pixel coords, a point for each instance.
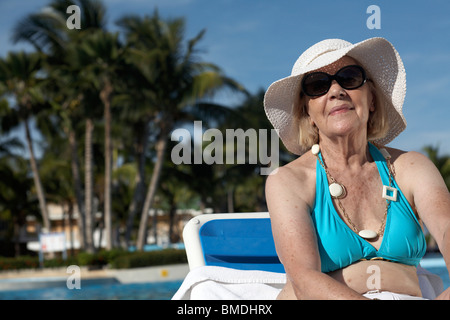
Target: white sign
{"type": "Point", "coordinates": [53, 242]}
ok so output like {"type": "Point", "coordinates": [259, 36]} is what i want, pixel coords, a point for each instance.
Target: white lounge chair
{"type": "Point", "coordinates": [233, 256]}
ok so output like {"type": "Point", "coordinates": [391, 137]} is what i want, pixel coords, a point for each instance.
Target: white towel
{"type": "Point", "coordinates": [219, 283]}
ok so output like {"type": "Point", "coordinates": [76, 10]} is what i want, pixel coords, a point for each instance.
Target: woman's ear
{"type": "Point", "coordinates": [305, 109]}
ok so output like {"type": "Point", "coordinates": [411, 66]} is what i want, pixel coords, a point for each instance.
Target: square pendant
{"type": "Point", "coordinates": [389, 193]}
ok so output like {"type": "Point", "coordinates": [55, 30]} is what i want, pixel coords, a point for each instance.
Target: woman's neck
{"type": "Point", "coordinates": [344, 152]}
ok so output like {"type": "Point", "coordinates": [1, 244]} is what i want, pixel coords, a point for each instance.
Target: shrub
{"type": "Point", "coordinates": [116, 258]}
{"type": "Point", "coordinates": [23, 262]}
{"type": "Point", "coordinates": [59, 262]}
{"type": "Point", "coordinates": [152, 258]}
{"type": "Point", "coordinates": [100, 258]}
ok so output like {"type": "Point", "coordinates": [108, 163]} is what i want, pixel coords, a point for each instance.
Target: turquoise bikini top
{"type": "Point", "coordinates": [339, 246]}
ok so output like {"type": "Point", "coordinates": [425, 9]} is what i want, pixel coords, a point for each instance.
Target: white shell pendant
{"type": "Point", "coordinates": [337, 190]}
{"type": "Point", "coordinates": [315, 149]}
{"type": "Point", "coordinates": [368, 234]}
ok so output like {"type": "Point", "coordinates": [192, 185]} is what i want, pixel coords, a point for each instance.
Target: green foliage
{"type": "Point", "coordinates": [100, 258]}
{"type": "Point", "coordinates": [159, 83]}
{"type": "Point", "coordinates": [59, 262]}
{"type": "Point", "coordinates": [153, 258]}
{"type": "Point", "coordinates": [23, 262]}
{"type": "Point", "coordinates": [117, 259]}
{"type": "Point", "coordinates": [153, 80]}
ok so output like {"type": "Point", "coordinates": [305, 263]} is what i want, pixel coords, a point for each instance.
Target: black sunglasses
{"type": "Point", "coordinates": [318, 83]}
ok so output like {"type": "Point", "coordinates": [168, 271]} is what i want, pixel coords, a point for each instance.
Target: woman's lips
{"type": "Point", "coordinates": [340, 109]}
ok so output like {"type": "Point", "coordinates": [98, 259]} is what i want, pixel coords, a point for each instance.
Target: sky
{"type": "Point", "coordinates": [256, 42]}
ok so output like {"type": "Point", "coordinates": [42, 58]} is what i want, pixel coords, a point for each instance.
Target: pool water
{"type": "Point", "coordinates": [111, 289]}
{"type": "Point", "coordinates": [441, 272]}
{"type": "Point", "coordinates": [98, 291]}
{"type": "Point", "coordinates": [434, 263]}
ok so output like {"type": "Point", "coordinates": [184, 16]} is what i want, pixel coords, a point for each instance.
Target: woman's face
{"type": "Point", "coordinates": [341, 112]}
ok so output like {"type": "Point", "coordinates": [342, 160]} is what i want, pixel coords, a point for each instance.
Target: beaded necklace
{"type": "Point", "coordinates": [338, 191]}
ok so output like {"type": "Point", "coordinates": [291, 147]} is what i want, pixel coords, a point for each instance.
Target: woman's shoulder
{"type": "Point", "coordinates": [296, 179]}
{"type": "Point", "coordinates": [408, 159]}
{"type": "Point", "coordinates": [410, 165]}
{"type": "Point", "coordinates": [299, 170]}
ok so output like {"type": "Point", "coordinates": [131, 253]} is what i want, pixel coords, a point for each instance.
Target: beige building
{"type": "Point", "coordinates": [62, 222]}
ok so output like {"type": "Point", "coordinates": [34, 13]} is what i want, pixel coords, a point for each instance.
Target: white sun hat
{"type": "Point", "coordinates": [382, 64]}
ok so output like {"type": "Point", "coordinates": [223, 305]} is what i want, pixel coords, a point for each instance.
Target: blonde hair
{"type": "Point", "coordinates": [308, 134]}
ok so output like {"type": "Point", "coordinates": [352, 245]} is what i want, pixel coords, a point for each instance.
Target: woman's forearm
{"type": "Point", "coordinates": [315, 285]}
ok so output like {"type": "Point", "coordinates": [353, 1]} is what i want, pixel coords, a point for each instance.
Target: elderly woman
{"type": "Point", "coordinates": [347, 214]}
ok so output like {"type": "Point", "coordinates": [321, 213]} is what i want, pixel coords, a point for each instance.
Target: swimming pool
{"type": "Point", "coordinates": [98, 290]}
{"type": "Point", "coordinates": [111, 289]}
{"type": "Point", "coordinates": [436, 264]}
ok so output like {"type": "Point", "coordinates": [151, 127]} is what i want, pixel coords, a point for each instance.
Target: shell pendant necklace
{"type": "Point", "coordinates": [338, 191]}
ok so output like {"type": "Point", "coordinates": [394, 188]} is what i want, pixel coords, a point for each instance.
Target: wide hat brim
{"type": "Point", "coordinates": [382, 64]}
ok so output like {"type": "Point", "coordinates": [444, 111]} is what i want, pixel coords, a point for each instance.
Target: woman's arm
{"type": "Point", "coordinates": [296, 242]}
{"type": "Point", "coordinates": [432, 201]}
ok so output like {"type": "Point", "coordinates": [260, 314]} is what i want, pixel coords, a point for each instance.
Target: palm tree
{"type": "Point", "coordinates": [56, 175]}
{"type": "Point", "coordinates": [66, 98]}
{"type": "Point", "coordinates": [15, 200]}
{"type": "Point", "coordinates": [176, 80]}
{"type": "Point", "coordinates": [47, 32]}
{"type": "Point", "coordinates": [104, 56]}
{"type": "Point", "coordinates": [136, 114]}
{"type": "Point", "coordinates": [19, 75]}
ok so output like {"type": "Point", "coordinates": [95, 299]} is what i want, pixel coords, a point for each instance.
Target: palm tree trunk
{"type": "Point", "coordinates": [139, 191]}
{"type": "Point", "coordinates": [161, 145]}
{"type": "Point", "coordinates": [172, 215]}
{"type": "Point", "coordinates": [75, 165]}
{"type": "Point", "coordinates": [16, 237]}
{"type": "Point", "coordinates": [88, 189]}
{"type": "Point", "coordinates": [70, 222]}
{"type": "Point", "coordinates": [105, 96]}
{"type": "Point", "coordinates": [37, 179]}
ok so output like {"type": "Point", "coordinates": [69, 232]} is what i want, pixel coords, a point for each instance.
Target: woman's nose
{"type": "Point", "coordinates": [336, 91]}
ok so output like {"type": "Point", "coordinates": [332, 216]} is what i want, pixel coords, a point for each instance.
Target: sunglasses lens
{"type": "Point", "coordinates": [351, 77]}
{"type": "Point", "coordinates": [316, 84]}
